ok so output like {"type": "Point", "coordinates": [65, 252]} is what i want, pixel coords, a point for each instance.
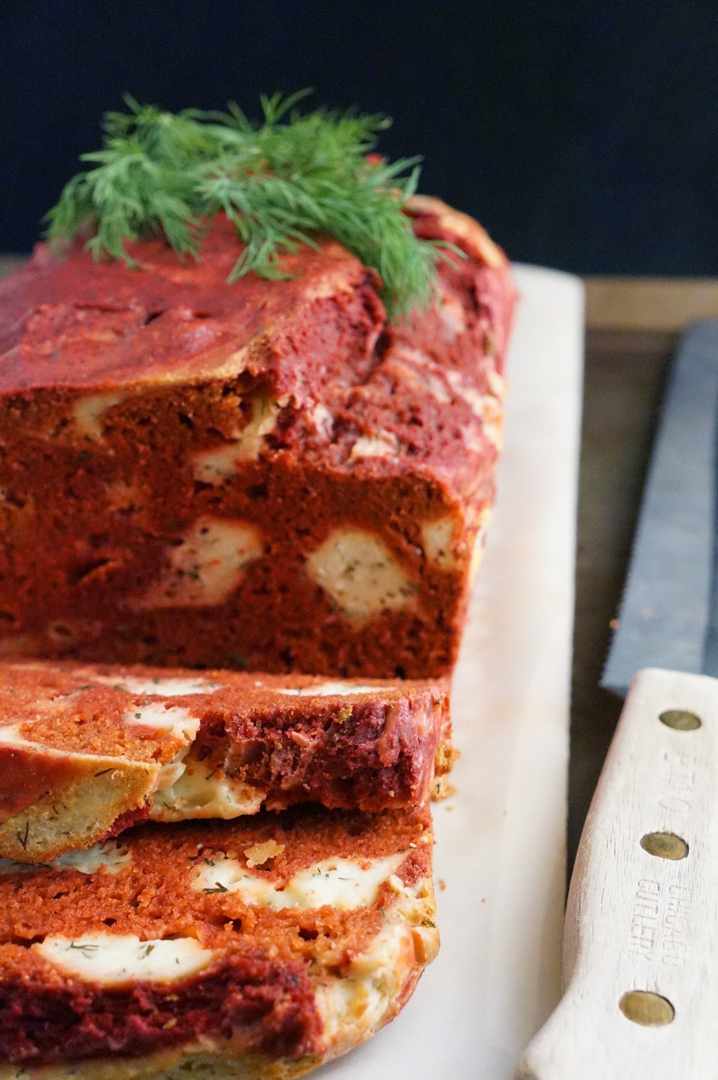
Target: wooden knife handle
{"type": "Point", "coordinates": [641, 933]}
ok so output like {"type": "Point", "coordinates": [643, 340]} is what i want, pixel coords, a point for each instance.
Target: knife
{"type": "Point", "coordinates": [641, 931]}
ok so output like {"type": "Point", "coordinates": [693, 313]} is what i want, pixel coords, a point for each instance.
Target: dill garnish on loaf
{"type": "Point", "coordinates": [283, 182]}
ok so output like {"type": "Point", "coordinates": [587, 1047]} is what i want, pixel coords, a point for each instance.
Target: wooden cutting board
{"type": "Point", "coordinates": [501, 839]}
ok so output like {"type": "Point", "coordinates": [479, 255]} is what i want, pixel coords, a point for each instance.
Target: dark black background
{"type": "Point", "coordinates": [583, 134]}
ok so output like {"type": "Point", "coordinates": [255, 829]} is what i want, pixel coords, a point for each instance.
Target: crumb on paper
{"type": "Point", "coordinates": [441, 789]}
{"type": "Point", "coordinates": [446, 758]}
{"type": "Point", "coordinates": [259, 854]}
{"type": "Point", "coordinates": [441, 883]}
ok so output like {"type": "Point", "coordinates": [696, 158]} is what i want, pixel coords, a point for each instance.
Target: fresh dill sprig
{"type": "Point", "coordinates": [282, 182]}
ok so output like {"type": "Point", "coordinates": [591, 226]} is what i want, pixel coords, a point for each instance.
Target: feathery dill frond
{"type": "Point", "coordinates": [282, 182]}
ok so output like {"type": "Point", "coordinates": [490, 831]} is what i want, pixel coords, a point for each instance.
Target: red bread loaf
{"type": "Point", "coordinates": [262, 474]}
{"type": "Point", "coordinates": [87, 751]}
{"type": "Point", "coordinates": [259, 947]}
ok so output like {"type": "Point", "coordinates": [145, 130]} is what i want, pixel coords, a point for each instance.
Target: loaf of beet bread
{"type": "Point", "coordinates": [265, 474]}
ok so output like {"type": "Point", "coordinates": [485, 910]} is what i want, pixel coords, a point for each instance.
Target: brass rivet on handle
{"type": "Point", "coordinates": [680, 719]}
{"type": "Point", "coordinates": [646, 1008]}
{"type": "Point", "coordinates": [664, 845]}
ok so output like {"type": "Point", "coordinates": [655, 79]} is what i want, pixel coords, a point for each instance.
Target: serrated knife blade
{"type": "Point", "coordinates": [665, 617]}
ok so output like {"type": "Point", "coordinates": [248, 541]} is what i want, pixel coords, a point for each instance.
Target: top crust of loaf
{"type": "Point", "coordinates": [89, 325]}
{"type": "Point", "coordinates": [96, 325]}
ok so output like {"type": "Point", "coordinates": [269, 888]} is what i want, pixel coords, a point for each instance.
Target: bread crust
{"type": "Point", "coordinates": [201, 1064]}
